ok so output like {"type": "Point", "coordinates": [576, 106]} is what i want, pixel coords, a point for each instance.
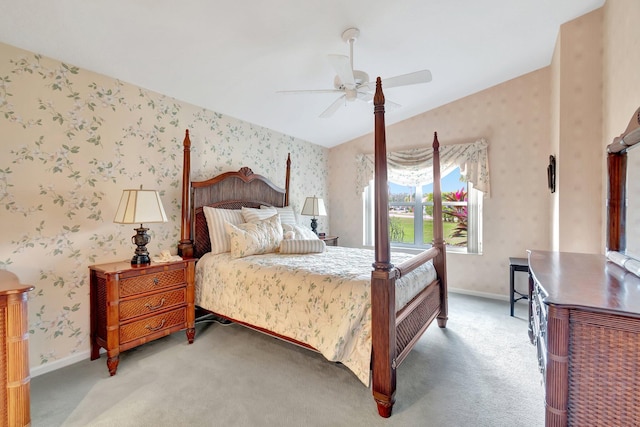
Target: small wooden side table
{"type": "Point", "coordinates": [516, 264]}
{"type": "Point", "coordinates": [131, 305]}
{"type": "Point", "coordinates": [330, 240]}
{"type": "Point", "coordinates": [15, 407]}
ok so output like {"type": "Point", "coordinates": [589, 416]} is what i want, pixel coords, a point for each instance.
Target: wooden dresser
{"type": "Point", "coordinates": [132, 305]}
{"type": "Point", "coordinates": [15, 379]}
{"type": "Point", "coordinates": [585, 322]}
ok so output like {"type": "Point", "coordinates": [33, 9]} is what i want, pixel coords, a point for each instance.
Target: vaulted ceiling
{"type": "Point", "coordinates": [234, 56]}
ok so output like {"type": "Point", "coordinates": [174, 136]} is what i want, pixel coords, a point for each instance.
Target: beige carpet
{"type": "Point", "coordinates": [480, 371]}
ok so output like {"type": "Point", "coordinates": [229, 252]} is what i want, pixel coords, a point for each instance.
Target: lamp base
{"type": "Point", "coordinates": [141, 239]}
{"type": "Point", "coordinates": [140, 260]}
{"type": "Point", "coordinates": [314, 225]}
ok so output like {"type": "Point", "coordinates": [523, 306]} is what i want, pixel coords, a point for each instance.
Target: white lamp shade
{"type": "Point", "coordinates": [313, 206]}
{"type": "Point", "coordinates": [138, 206]}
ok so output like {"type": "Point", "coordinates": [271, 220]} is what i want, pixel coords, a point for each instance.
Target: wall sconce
{"type": "Point", "coordinates": [551, 174]}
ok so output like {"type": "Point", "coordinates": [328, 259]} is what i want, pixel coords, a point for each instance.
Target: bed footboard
{"type": "Point", "coordinates": [394, 334]}
{"type": "Point", "coordinates": [414, 320]}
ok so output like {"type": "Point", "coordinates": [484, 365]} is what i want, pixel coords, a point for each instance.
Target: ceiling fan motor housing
{"type": "Point", "coordinates": [360, 78]}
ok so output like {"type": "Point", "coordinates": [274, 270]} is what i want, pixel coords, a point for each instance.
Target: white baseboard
{"type": "Point", "coordinates": [60, 363]}
{"type": "Point", "coordinates": [479, 294]}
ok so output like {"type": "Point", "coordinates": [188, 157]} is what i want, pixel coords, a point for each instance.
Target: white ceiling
{"type": "Point", "coordinates": [232, 56]}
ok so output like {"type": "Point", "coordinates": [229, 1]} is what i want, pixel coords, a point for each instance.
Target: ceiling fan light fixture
{"type": "Point", "coordinates": [351, 95]}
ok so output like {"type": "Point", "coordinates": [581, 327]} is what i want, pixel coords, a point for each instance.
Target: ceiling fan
{"type": "Point", "coordinates": [354, 84]}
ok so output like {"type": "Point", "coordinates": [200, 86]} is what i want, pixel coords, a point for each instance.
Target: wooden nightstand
{"type": "Point", "coordinates": [133, 305]}
{"type": "Point", "coordinates": [330, 240]}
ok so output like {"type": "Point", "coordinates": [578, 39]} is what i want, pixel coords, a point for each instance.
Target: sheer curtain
{"type": "Point", "coordinates": [415, 166]}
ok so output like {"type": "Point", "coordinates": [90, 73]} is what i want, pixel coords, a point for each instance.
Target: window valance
{"type": "Point", "coordinates": [414, 166]}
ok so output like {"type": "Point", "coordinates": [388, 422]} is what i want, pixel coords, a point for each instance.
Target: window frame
{"type": "Point", "coordinates": [474, 231]}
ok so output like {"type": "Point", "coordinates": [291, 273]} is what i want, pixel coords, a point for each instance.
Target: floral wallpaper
{"type": "Point", "coordinates": [72, 140]}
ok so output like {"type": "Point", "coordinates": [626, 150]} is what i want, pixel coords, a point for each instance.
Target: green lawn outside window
{"type": "Point", "coordinates": [404, 231]}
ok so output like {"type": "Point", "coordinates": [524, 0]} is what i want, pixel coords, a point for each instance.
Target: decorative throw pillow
{"type": "Point", "coordinates": [287, 214]}
{"type": "Point", "coordinates": [305, 232]}
{"type": "Point", "coordinates": [216, 219]}
{"type": "Point", "coordinates": [255, 215]}
{"type": "Point", "coordinates": [254, 238]}
{"type": "Point", "coordinates": [302, 246]}
{"type": "Point", "coordinates": [300, 232]}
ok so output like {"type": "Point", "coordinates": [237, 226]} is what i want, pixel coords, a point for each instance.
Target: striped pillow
{"type": "Point", "coordinates": [215, 221]}
{"type": "Point", "coordinates": [301, 246]}
{"type": "Point", "coordinates": [287, 214]}
{"type": "Point", "coordinates": [255, 215]}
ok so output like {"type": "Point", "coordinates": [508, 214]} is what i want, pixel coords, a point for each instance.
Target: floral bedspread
{"type": "Point", "coordinates": [320, 299]}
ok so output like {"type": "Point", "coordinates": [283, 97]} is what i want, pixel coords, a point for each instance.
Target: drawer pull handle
{"type": "Point", "coordinates": [156, 280]}
{"type": "Point", "coordinates": [155, 307]}
{"type": "Point", "coordinates": [157, 328]}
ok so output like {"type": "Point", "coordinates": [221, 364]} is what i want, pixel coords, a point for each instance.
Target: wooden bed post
{"type": "Point", "coordinates": [440, 261]}
{"type": "Point", "coordinates": [286, 181]}
{"type": "Point", "coordinates": [185, 246]}
{"type": "Point", "coordinates": [383, 277]}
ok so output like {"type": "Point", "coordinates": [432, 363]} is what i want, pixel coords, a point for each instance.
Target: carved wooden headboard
{"type": "Point", "coordinates": [229, 190]}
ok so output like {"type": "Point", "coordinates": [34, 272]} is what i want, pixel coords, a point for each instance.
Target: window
{"type": "Point", "coordinates": [411, 210]}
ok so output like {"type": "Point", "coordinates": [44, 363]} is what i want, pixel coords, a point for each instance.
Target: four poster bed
{"type": "Point", "coordinates": [321, 300]}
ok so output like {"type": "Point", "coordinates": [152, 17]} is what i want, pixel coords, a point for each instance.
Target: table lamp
{"type": "Point", "coordinates": [314, 206]}
{"type": "Point", "coordinates": [136, 207]}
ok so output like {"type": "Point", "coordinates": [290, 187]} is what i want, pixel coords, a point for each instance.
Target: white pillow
{"type": "Point", "coordinates": [216, 219]}
{"type": "Point", "coordinates": [287, 214]}
{"type": "Point", "coordinates": [255, 215]}
{"type": "Point", "coordinates": [255, 238]}
{"type": "Point", "coordinates": [302, 246]}
{"type": "Point", "coordinates": [300, 232]}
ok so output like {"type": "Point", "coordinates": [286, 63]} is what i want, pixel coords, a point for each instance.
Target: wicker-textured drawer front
{"type": "Point", "coordinates": [151, 282]}
{"type": "Point", "coordinates": [157, 302]}
{"type": "Point", "coordinates": [604, 385]}
{"type": "Point", "coordinates": [152, 325]}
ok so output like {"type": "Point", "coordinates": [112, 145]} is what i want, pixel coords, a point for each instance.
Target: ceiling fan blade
{"type": "Point", "coordinates": [365, 96]}
{"type": "Point", "coordinates": [333, 107]}
{"type": "Point", "coordinates": [423, 76]}
{"type": "Point", "coordinates": [368, 97]}
{"type": "Point", "coordinates": [289, 92]}
{"type": "Point", "coordinates": [342, 65]}
{"type": "Point", "coordinates": [388, 104]}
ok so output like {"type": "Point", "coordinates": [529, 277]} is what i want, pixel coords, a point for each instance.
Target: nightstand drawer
{"type": "Point", "coordinates": [161, 301]}
{"type": "Point", "coordinates": [152, 325]}
{"type": "Point", "coordinates": [151, 282]}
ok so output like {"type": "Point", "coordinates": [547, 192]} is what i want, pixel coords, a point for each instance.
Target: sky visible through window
{"type": "Point", "coordinates": [450, 182]}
